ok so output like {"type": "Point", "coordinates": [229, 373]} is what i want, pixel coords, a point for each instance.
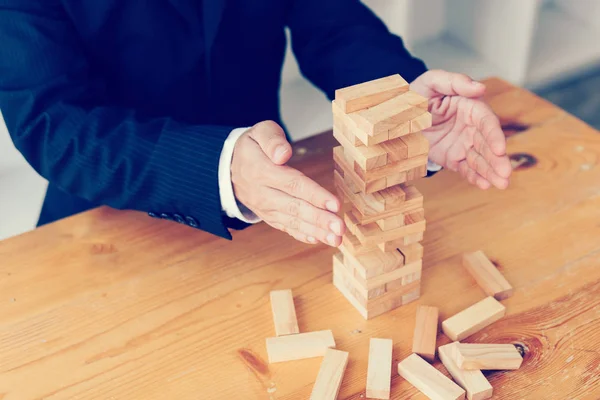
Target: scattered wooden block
{"type": "Point", "coordinates": [299, 346]}
{"type": "Point", "coordinates": [331, 373]}
{"type": "Point", "coordinates": [426, 328]}
{"type": "Point", "coordinates": [475, 384]}
{"type": "Point", "coordinates": [349, 124]}
{"type": "Point", "coordinates": [487, 275]}
{"type": "Point", "coordinates": [284, 312]}
{"type": "Point", "coordinates": [391, 113]}
{"type": "Point", "coordinates": [416, 144]}
{"type": "Point", "coordinates": [473, 319]}
{"type": "Point", "coordinates": [476, 356]}
{"type": "Point", "coordinates": [379, 370]}
{"type": "Point", "coordinates": [368, 94]}
{"type": "Point", "coordinates": [431, 382]}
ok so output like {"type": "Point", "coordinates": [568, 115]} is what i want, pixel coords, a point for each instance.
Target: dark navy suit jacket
{"type": "Point", "coordinates": [127, 103]}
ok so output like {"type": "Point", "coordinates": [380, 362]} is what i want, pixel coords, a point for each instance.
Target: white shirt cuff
{"type": "Point", "coordinates": [229, 203]}
{"type": "Point", "coordinates": [433, 167]}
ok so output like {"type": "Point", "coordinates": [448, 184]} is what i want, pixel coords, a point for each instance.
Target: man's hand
{"type": "Point", "coordinates": [283, 197]}
{"type": "Point", "coordinates": [466, 136]}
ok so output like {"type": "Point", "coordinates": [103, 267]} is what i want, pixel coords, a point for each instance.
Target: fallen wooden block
{"type": "Point", "coordinates": [475, 384]}
{"type": "Point", "coordinates": [425, 334]}
{"type": "Point", "coordinates": [368, 94]}
{"type": "Point", "coordinates": [284, 313]}
{"type": "Point", "coordinates": [473, 319]}
{"type": "Point", "coordinates": [487, 275]}
{"type": "Point", "coordinates": [390, 114]}
{"type": "Point", "coordinates": [299, 346]}
{"type": "Point", "coordinates": [431, 382]}
{"type": "Point", "coordinates": [476, 356]}
{"type": "Point", "coordinates": [331, 373]}
{"type": "Point", "coordinates": [379, 370]}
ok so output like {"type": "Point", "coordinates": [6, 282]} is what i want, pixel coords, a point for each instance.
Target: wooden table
{"type": "Point", "coordinates": [116, 305]}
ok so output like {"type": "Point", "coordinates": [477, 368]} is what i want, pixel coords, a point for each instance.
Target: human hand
{"type": "Point", "coordinates": [280, 195]}
{"type": "Point", "coordinates": [465, 136]}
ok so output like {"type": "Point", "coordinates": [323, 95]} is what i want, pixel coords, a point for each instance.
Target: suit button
{"type": "Point", "coordinates": [191, 221]}
{"type": "Point", "coordinates": [166, 216]}
{"type": "Point", "coordinates": [152, 214]}
{"type": "Point", "coordinates": [179, 218]}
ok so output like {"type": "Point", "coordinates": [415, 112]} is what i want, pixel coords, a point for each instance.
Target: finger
{"type": "Point", "coordinates": [296, 184]}
{"type": "Point", "coordinates": [447, 83]}
{"type": "Point", "coordinates": [271, 139]}
{"type": "Point", "coordinates": [489, 125]}
{"type": "Point", "coordinates": [476, 162]}
{"type": "Point", "coordinates": [472, 176]}
{"type": "Point", "coordinates": [295, 234]}
{"type": "Point", "coordinates": [500, 164]}
{"type": "Point", "coordinates": [295, 224]}
{"type": "Point", "coordinates": [295, 207]}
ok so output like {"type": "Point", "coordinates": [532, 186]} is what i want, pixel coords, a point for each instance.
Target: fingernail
{"type": "Point", "coordinates": [311, 240]}
{"type": "Point", "coordinates": [331, 239]}
{"type": "Point", "coordinates": [336, 228]}
{"type": "Point", "coordinates": [331, 206]}
{"type": "Point", "coordinates": [280, 151]}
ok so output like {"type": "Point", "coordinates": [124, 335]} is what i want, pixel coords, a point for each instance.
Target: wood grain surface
{"type": "Point", "coordinates": [116, 305]}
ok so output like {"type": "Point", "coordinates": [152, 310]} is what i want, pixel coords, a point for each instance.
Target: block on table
{"type": "Point", "coordinates": [379, 370]}
{"type": "Point", "coordinates": [331, 373]}
{"type": "Point", "coordinates": [474, 382]}
{"type": "Point", "coordinates": [487, 275]}
{"type": "Point", "coordinates": [473, 319]}
{"type": "Point", "coordinates": [478, 356]}
{"type": "Point", "coordinates": [299, 346]}
{"type": "Point", "coordinates": [368, 94]}
{"type": "Point", "coordinates": [425, 334]}
{"type": "Point", "coordinates": [284, 312]}
{"type": "Point", "coordinates": [431, 382]}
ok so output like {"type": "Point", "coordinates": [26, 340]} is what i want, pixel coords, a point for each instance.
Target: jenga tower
{"type": "Point", "coordinates": [378, 125]}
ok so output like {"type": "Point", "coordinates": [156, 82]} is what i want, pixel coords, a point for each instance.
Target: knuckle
{"type": "Point", "coordinates": [294, 185]}
{"type": "Point", "coordinates": [294, 224]}
{"type": "Point", "coordinates": [293, 207]}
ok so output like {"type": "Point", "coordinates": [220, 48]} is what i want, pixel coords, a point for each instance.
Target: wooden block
{"type": "Point", "coordinates": [413, 202]}
{"type": "Point", "coordinates": [412, 239]}
{"type": "Point", "coordinates": [416, 173]}
{"type": "Point", "coordinates": [353, 245]}
{"type": "Point", "coordinates": [396, 179]}
{"type": "Point", "coordinates": [391, 113]}
{"type": "Point", "coordinates": [381, 304]}
{"type": "Point", "coordinates": [390, 169]}
{"type": "Point", "coordinates": [416, 144]}
{"type": "Point", "coordinates": [474, 383]}
{"type": "Point", "coordinates": [473, 319]}
{"type": "Point", "coordinates": [362, 293]}
{"type": "Point", "coordinates": [477, 356]}
{"type": "Point", "coordinates": [395, 149]}
{"type": "Point", "coordinates": [351, 176]}
{"type": "Point", "coordinates": [374, 262]}
{"type": "Point", "coordinates": [391, 222]}
{"type": "Point", "coordinates": [420, 122]}
{"type": "Point", "coordinates": [412, 252]}
{"type": "Point", "coordinates": [349, 124]}
{"type": "Point", "coordinates": [371, 234]}
{"type": "Point", "coordinates": [367, 157]}
{"type": "Point", "coordinates": [367, 204]}
{"type": "Point", "coordinates": [426, 328]}
{"type": "Point", "coordinates": [331, 373]}
{"type": "Point", "coordinates": [368, 94]}
{"type": "Point", "coordinates": [414, 216]}
{"type": "Point", "coordinates": [431, 382]}
{"type": "Point", "coordinates": [300, 346]}
{"type": "Point", "coordinates": [379, 370]}
{"type": "Point", "coordinates": [399, 131]}
{"type": "Point", "coordinates": [393, 197]}
{"type": "Point", "coordinates": [340, 125]}
{"type": "Point", "coordinates": [410, 278]}
{"type": "Point", "coordinates": [284, 312]}
{"type": "Point", "coordinates": [487, 275]}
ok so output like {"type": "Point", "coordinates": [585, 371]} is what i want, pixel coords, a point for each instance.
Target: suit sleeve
{"type": "Point", "coordinates": [58, 115]}
{"type": "Point", "coordinates": [339, 43]}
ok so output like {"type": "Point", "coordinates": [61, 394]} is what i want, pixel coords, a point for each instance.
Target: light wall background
{"type": "Point", "coordinates": [531, 43]}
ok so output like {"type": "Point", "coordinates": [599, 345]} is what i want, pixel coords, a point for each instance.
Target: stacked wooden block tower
{"type": "Point", "coordinates": [378, 125]}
